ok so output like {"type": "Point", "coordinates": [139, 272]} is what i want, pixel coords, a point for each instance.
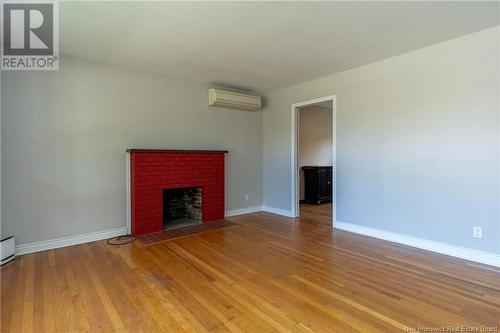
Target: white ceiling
{"type": "Point", "coordinates": [260, 45]}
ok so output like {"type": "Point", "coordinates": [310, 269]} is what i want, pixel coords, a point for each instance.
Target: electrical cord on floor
{"type": "Point", "coordinates": [121, 240]}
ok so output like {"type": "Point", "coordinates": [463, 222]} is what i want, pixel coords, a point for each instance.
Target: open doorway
{"type": "Point", "coordinates": [313, 161]}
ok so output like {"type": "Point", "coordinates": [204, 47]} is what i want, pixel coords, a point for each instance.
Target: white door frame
{"type": "Point", "coordinates": [294, 162]}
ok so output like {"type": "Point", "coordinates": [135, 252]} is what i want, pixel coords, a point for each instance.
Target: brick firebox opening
{"type": "Point", "coordinates": [181, 207]}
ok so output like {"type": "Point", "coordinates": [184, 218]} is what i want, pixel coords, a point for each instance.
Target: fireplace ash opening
{"type": "Point", "coordinates": [182, 207]}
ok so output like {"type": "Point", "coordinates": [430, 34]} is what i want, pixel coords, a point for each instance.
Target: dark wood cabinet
{"type": "Point", "coordinates": [318, 184]}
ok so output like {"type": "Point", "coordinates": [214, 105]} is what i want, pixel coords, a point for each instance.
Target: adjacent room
{"type": "Point", "coordinates": [315, 152]}
{"type": "Point", "coordinates": [246, 166]}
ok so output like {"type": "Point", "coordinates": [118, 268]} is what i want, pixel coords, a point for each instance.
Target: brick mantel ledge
{"type": "Point", "coordinates": [198, 151]}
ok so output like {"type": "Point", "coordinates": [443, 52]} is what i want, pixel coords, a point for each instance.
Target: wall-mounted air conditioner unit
{"type": "Point", "coordinates": [233, 100]}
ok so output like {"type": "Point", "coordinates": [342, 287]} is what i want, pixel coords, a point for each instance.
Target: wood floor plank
{"type": "Point", "coordinates": [320, 214]}
{"type": "Point", "coordinates": [268, 273]}
{"type": "Point", "coordinates": [8, 277]}
{"type": "Point", "coordinates": [48, 296]}
{"type": "Point", "coordinates": [38, 292]}
{"type": "Point", "coordinates": [16, 323]}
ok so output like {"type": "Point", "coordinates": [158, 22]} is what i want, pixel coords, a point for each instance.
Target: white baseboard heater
{"type": "Point", "coordinates": [7, 249]}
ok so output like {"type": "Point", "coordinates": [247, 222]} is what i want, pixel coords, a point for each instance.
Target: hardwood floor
{"type": "Point", "coordinates": [321, 214]}
{"type": "Point", "coordinates": [266, 274]}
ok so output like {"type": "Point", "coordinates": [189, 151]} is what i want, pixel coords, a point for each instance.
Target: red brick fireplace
{"type": "Point", "coordinates": [151, 172]}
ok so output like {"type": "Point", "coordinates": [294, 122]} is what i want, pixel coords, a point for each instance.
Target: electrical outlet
{"type": "Point", "coordinates": [477, 232]}
{"type": "Point", "coordinates": [247, 197]}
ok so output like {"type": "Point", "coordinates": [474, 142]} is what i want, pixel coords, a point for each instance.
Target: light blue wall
{"type": "Point", "coordinates": [418, 142]}
{"type": "Point", "coordinates": [64, 136]}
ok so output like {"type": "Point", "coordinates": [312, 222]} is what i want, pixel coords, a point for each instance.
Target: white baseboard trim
{"type": "Point", "coordinates": [278, 211]}
{"type": "Point", "coordinates": [239, 211]}
{"type": "Point", "coordinates": [482, 257]}
{"type": "Point", "coordinates": [68, 241]}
